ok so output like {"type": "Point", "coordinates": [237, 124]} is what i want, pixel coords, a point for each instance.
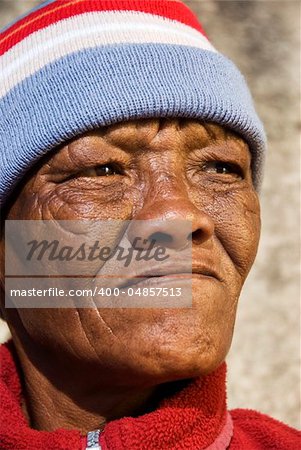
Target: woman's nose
{"type": "Point", "coordinates": [172, 223]}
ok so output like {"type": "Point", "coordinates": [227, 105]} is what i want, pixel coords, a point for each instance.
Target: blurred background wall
{"type": "Point", "coordinates": [263, 39]}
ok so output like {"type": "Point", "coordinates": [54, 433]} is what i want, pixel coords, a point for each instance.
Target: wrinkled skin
{"type": "Point", "coordinates": [88, 365]}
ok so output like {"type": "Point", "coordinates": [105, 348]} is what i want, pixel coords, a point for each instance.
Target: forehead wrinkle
{"type": "Point", "coordinates": [133, 134]}
{"type": "Point", "coordinates": [86, 148]}
{"type": "Point", "coordinates": [147, 134]}
{"type": "Point", "coordinates": [201, 135]}
{"type": "Point", "coordinates": [219, 133]}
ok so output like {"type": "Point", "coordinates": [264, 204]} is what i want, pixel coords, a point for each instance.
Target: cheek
{"type": "Point", "coordinates": [52, 329]}
{"type": "Point", "coordinates": [90, 202]}
{"type": "Point", "coordinates": [237, 227]}
{"type": "Point", "coordinates": [66, 202]}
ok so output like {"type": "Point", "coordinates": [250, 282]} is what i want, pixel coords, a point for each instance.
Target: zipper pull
{"type": "Point", "coordinates": [92, 440]}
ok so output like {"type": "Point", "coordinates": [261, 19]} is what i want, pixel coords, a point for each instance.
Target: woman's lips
{"type": "Point", "coordinates": [167, 280]}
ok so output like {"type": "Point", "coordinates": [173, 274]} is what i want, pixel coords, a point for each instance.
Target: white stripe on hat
{"type": "Point", "coordinates": [90, 30]}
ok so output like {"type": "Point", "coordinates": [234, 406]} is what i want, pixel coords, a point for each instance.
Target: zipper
{"type": "Point", "coordinates": [93, 440]}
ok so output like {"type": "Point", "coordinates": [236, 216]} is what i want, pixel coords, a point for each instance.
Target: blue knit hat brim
{"type": "Point", "coordinates": [106, 85]}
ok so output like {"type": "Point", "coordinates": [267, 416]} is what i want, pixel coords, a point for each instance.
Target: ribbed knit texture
{"type": "Point", "coordinates": [71, 66]}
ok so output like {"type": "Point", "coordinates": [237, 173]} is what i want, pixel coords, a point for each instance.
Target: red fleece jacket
{"type": "Point", "coordinates": [195, 418]}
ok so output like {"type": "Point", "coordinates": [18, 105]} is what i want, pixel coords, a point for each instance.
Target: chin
{"type": "Point", "coordinates": [171, 363]}
{"type": "Point", "coordinates": [182, 351]}
{"type": "Point", "coordinates": [194, 364]}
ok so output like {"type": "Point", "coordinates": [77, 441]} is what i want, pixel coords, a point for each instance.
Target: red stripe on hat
{"type": "Point", "coordinates": [63, 9]}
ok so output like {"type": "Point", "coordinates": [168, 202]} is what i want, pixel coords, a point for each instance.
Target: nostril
{"type": "Point", "coordinates": [159, 237]}
{"type": "Point", "coordinates": [197, 236]}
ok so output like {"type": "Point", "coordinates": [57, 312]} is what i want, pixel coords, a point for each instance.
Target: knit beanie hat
{"type": "Point", "coordinates": [74, 65]}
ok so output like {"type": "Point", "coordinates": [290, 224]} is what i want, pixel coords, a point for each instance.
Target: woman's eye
{"type": "Point", "coordinates": [105, 170]}
{"type": "Point", "coordinates": [224, 168]}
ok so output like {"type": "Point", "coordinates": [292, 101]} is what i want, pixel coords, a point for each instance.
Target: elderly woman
{"type": "Point", "coordinates": [123, 111]}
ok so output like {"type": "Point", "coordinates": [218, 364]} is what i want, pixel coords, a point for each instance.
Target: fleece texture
{"type": "Point", "coordinates": [195, 418]}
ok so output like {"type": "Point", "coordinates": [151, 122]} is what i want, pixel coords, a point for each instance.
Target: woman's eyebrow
{"type": "Point", "coordinates": [230, 148]}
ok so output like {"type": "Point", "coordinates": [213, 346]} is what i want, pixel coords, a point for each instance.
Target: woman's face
{"type": "Point", "coordinates": [149, 169]}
